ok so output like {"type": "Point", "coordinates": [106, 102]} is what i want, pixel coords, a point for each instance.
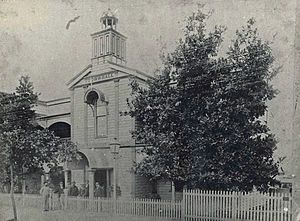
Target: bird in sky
{"type": "Point", "coordinates": [71, 21]}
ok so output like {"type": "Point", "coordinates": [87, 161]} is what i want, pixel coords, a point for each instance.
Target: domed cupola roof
{"type": "Point", "coordinates": [109, 20]}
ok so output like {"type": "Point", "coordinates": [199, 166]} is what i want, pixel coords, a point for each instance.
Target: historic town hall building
{"type": "Point", "coordinates": [92, 117]}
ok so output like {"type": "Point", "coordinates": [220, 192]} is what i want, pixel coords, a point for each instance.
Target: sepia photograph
{"type": "Point", "coordinates": [150, 110]}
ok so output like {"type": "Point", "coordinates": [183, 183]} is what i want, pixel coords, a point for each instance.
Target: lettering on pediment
{"type": "Point", "coordinates": [100, 77]}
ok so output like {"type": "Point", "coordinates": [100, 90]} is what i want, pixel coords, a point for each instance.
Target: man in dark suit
{"type": "Point", "coordinates": [73, 191]}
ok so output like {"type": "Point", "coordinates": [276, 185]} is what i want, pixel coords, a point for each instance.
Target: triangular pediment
{"type": "Point", "coordinates": [104, 72]}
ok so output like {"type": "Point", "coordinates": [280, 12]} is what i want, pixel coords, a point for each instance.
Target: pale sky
{"type": "Point", "coordinates": [34, 39]}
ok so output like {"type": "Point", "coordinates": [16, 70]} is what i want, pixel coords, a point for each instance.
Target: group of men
{"type": "Point", "coordinates": [83, 191]}
{"type": "Point", "coordinates": [47, 192]}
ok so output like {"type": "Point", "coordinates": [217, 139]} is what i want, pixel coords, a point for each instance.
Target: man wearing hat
{"type": "Point", "coordinates": [60, 195]}
{"type": "Point", "coordinates": [45, 192]}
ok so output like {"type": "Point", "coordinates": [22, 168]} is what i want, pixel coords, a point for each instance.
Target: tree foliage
{"type": "Point", "coordinates": [202, 118]}
{"type": "Point", "coordinates": [22, 145]}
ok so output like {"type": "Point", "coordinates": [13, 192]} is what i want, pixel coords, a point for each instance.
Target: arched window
{"type": "Point", "coordinates": [61, 129]}
{"type": "Point", "coordinates": [92, 98]}
{"type": "Point", "coordinates": [98, 104]}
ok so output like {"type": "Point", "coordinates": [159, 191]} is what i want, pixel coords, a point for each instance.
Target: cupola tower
{"type": "Point", "coordinates": [108, 44]}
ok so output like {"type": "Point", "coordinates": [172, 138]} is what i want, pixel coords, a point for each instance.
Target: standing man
{"type": "Point", "coordinates": [45, 192]}
{"type": "Point", "coordinates": [99, 191]}
{"type": "Point", "coordinates": [60, 193]}
{"type": "Point", "coordinates": [81, 190]}
{"type": "Point", "coordinates": [73, 189]}
{"type": "Point", "coordinates": [86, 189]}
{"type": "Point", "coordinates": [51, 197]}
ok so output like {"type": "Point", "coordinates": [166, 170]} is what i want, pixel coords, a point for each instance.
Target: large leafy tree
{"type": "Point", "coordinates": [22, 145]}
{"type": "Point", "coordinates": [201, 119]}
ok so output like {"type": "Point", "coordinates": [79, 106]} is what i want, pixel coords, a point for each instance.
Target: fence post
{"type": "Point", "coordinates": [183, 203]}
{"type": "Point", "coordinates": [234, 205]}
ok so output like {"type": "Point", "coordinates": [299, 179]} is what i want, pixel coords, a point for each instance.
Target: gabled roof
{"type": "Point", "coordinates": [79, 76]}
{"type": "Point", "coordinates": [106, 67]}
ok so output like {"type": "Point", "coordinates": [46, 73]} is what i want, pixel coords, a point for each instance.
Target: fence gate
{"type": "Point", "coordinates": [224, 205]}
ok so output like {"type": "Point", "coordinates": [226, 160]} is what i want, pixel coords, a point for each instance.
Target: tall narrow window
{"type": "Point", "coordinates": [98, 47]}
{"type": "Point", "coordinates": [121, 48]}
{"type": "Point", "coordinates": [101, 120]}
{"type": "Point", "coordinates": [125, 50]}
{"type": "Point", "coordinates": [118, 46]}
{"type": "Point", "coordinates": [107, 44]}
{"type": "Point", "coordinates": [101, 45]}
{"type": "Point", "coordinates": [113, 44]}
{"type": "Point", "coordinates": [95, 48]}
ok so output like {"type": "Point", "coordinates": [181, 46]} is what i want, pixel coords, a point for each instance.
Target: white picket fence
{"type": "Point", "coordinates": [133, 207]}
{"type": "Point", "coordinates": [149, 207]}
{"type": "Point", "coordinates": [196, 205]}
{"type": "Point", "coordinates": [225, 205]}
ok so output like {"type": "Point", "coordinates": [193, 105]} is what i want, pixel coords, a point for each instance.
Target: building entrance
{"type": "Point", "coordinates": [104, 178]}
{"type": "Point", "coordinates": [78, 171]}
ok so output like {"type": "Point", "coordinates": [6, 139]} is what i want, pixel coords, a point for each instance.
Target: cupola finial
{"type": "Point", "coordinates": [109, 20]}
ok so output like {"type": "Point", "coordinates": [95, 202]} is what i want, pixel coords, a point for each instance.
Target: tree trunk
{"type": "Point", "coordinates": [23, 191]}
{"type": "Point", "coordinates": [23, 186]}
{"type": "Point", "coordinates": [12, 192]}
